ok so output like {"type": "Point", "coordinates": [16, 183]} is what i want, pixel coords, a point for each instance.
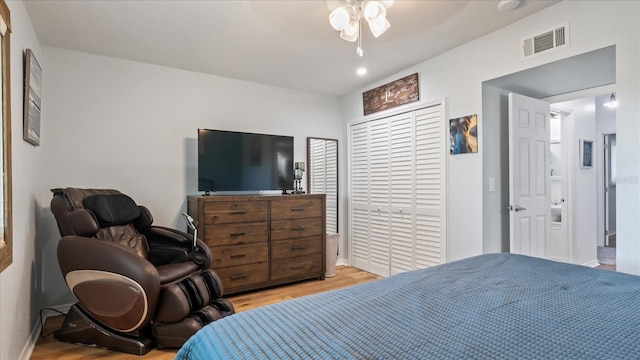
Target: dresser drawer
{"type": "Point", "coordinates": [296, 208]}
{"type": "Point", "coordinates": [233, 255]}
{"type": "Point", "coordinates": [243, 275]}
{"type": "Point", "coordinates": [287, 229]}
{"type": "Point", "coordinates": [284, 249]}
{"type": "Point", "coordinates": [219, 212]}
{"type": "Point", "coordinates": [236, 233]}
{"type": "Point", "coordinates": [296, 267]}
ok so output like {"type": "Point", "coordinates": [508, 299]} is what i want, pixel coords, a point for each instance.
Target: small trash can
{"type": "Point", "coordinates": [332, 254]}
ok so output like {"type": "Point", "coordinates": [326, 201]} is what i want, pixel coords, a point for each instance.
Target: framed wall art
{"type": "Point", "coordinates": [396, 93]}
{"type": "Point", "coordinates": [463, 135]}
{"type": "Point", "coordinates": [586, 153]}
{"type": "Point", "coordinates": [32, 100]}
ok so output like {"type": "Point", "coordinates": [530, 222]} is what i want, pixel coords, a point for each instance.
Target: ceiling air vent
{"type": "Point", "coordinates": [546, 41]}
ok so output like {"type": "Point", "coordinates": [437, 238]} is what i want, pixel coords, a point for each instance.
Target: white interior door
{"type": "Point", "coordinates": [529, 176]}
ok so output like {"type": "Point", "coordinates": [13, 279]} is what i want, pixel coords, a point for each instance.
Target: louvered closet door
{"type": "Point", "coordinates": [370, 196]}
{"type": "Point", "coordinates": [379, 186]}
{"type": "Point", "coordinates": [359, 190]}
{"type": "Point", "coordinates": [430, 191]}
{"type": "Point", "coordinates": [398, 192]}
{"type": "Point", "coordinates": [401, 190]}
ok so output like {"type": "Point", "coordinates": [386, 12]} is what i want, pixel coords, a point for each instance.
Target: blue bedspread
{"type": "Point", "coordinates": [494, 306]}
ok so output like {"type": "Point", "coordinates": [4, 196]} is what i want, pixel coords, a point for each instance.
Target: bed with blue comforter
{"type": "Point", "coordinates": [494, 306]}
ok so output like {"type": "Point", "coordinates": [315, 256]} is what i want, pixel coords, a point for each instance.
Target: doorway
{"type": "Point", "coordinates": [584, 203]}
{"type": "Point", "coordinates": [541, 82]}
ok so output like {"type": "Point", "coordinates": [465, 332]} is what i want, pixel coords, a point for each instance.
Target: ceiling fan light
{"type": "Point", "coordinates": [379, 26]}
{"type": "Point", "coordinates": [347, 18]}
{"type": "Point", "coordinates": [350, 32]}
{"type": "Point", "coordinates": [351, 27]}
{"type": "Point", "coordinates": [340, 17]}
{"type": "Point", "coordinates": [372, 9]}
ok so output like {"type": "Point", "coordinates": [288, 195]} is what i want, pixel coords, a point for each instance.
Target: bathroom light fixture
{"type": "Point", "coordinates": [346, 18]}
{"type": "Point", "coordinates": [612, 103]}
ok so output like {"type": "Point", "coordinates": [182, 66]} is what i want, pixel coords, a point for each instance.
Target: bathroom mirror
{"type": "Point", "coordinates": [322, 177]}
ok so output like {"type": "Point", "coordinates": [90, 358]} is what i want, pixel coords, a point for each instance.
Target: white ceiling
{"type": "Point", "coordinates": [285, 43]}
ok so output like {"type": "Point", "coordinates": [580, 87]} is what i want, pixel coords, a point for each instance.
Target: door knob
{"type": "Point", "coordinates": [516, 208]}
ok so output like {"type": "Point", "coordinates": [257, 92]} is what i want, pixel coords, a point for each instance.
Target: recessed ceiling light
{"type": "Point", "coordinates": [361, 71]}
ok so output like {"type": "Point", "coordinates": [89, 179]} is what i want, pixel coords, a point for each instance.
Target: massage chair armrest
{"type": "Point", "coordinates": [82, 253]}
{"type": "Point", "coordinates": [170, 245]}
{"type": "Point", "coordinates": [83, 260]}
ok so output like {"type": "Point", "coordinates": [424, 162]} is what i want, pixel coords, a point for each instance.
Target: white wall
{"type": "Point", "coordinates": [19, 297]}
{"type": "Point", "coordinates": [495, 160]}
{"type": "Point", "coordinates": [132, 126]}
{"type": "Point", "coordinates": [458, 75]}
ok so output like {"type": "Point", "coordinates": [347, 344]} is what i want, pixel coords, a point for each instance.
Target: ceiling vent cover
{"type": "Point", "coordinates": [546, 41]}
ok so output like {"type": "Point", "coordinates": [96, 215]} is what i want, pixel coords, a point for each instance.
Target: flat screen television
{"type": "Point", "coordinates": [238, 161]}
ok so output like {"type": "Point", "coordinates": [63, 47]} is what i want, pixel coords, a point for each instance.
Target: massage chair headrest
{"type": "Point", "coordinates": [112, 209]}
{"type": "Point", "coordinates": [88, 210]}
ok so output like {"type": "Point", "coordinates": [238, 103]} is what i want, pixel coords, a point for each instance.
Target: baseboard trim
{"type": "Point", "coordinates": [342, 262]}
{"type": "Point", "coordinates": [27, 350]}
{"type": "Point", "coordinates": [592, 263]}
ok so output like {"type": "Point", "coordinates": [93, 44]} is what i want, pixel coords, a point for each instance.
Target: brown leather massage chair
{"type": "Point", "coordinates": [138, 286]}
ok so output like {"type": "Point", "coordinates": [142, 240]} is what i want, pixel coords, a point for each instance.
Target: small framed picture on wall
{"type": "Point", "coordinates": [32, 101]}
{"type": "Point", "coordinates": [586, 153]}
{"type": "Point", "coordinates": [463, 135]}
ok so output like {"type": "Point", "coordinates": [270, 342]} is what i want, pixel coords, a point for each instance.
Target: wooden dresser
{"type": "Point", "coordinates": [258, 241]}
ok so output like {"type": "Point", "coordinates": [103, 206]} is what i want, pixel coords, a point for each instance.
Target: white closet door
{"type": "Point", "coordinates": [430, 192]}
{"type": "Point", "coordinates": [359, 192]}
{"type": "Point", "coordinates": [379, 186]}
{"type": "Point", "coordinates": [401, 190]}
{"type": "Point", "coordinates": [398, 192]}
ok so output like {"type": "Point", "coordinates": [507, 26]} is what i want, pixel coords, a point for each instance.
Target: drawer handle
{"type": "Point", "coordinates": [297, 209]}
{"type": "Point", "coordinates": [297, 267]}
{"type": "Point", "coordinates": [238, 277]}
{"type": "Point", "coordinates": [238, 234]}
{"type": "Point", "coordinates": [297, 228]}
{"type": "Point", "coordinates": [241, 212]}
{"type": "Point", "coordinates": [238, 256]}
{"type": "Point", "coordinates": [298, 247]}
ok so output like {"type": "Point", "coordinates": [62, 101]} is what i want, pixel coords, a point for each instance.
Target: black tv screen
{"type": "Point", "coordinates": [237, 161]}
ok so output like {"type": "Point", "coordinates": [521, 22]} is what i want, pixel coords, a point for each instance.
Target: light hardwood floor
{"type": "Point", "coordinates": [49, 348]}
